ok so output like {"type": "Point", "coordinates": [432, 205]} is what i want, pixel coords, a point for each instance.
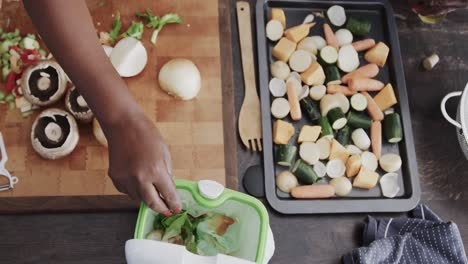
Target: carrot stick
{"type": "Point", "coordinates": [376, 138]}
{"type": "Point", "coordinates": [361, 84]}
{"type": "Point", "coordinates": [372, 108]}
{"type": "Point", "coordinates": [364, 44]}
{"type": "Point", "coordinates": [367, 71]}
{"type": "Point", "coordinates": [336, 88]}
{"type": "Point", "coordinates": [293, 100]}
{"type": "Point", "coordinates": [313, 191]}
{"type": "Point", "coordinates": [330, 36]}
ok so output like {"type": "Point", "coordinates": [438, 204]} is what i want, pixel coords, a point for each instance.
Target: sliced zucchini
{"type": "Point", "coordinates": [327, 131]}
{"type": "Point", "coordinates": [343, 135]}
{"type": "Point", "coordinates": [329, 55]}
{"type": "Point", "coordinates": [392, 128]}
{"type": "Point", "coordinates": [357, 26]}
{"type": "Point", "coordinates": [285, 155]}
{"type": "Point", "coordinates": [304, 173]}
{"type": "Point", "coordinates": [311, 108]}
{"type": "Point", "coordinates": [359, 120]}
{"type": "Point", "coordinates": [358, 102]}
{"type": "Point", "coordinates": [333, 75]}
{"type": "Point", "coordinates": [337, 118]}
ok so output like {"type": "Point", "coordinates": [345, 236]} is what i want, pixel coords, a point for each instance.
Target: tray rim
{"type": "Point", "coordinates": [337, 206]}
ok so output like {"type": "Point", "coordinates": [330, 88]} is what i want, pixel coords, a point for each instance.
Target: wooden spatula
{"type": "Point", "coordinates": [250, 122]}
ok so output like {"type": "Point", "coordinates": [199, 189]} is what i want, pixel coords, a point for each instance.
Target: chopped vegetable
{"type": "Point", "coordinates": [343, 135]}
{"type": "Point", "coordinates": [300, 60]}
{"type": "Point", "coordinates": [352, 149]}
{"type": "Point", "coordinates": [336, 88]}
{"type": "Point", "coordinates": [330, 36]}
{"type": "Point", "coordinates": [285, 181]}
{"type": "Point", "coordinates": [294, 75]}
{"type": "Point", "coordinates": [390, 162]}
{"type": "Point", "coordinates": [358, 26]}
{"type": "Point", "coordinates": [157, 23]}
{"type": "Point", "coordinates": [367, 71]}
{"type": "Point", "coordinates": [337, 16]}
{"type": "Point", "coordinates": [326, 127]}
{"type": "Point", "coordinates": [430, 62]}
{"type": "Point", "coordinates": [116, 26]}
{"type": "Point", "coordinates": [29, 42]}
{"type": "Point", "coordinates": [333, 75]}
{"type": "Point", "coordinates": [297, 33]}
{"type": "Point", "coordinates": [309, 133]}
{"type": "Point", "coordinates": [282, 132]}
{"type": "Point", "coordinates": [358, 102]}
{"type": "Point", "coordinates": [283, 49]}
{"type": "Point", "coordinates": [313, 191]}
{"type": "Point", "coordinates": [378, 54]}
{"type": "Point", "coordinates": [308, 19]}
{"type": "Point", "coordinates": [372, 108]}
{"type": "Point", "coordinates": [304, 92]}
{"type": "Point", "coordinates": [343, 37]}
{"type": "Point", "coordinates": [348, 59]}
{"type": "Point", "coordinates": [359, 120]}
{"type": "Point", "coordinates": [369, 85]}
{"type": "Point", "coordinates": [389, 185]}
{"type": "Point", "coordinates": [320, 169]}
{"type": "Point", "coordinates": [335, 168]}
{"type": "Point", "coordinates": [366, 179]}
{"type": "Point", "coordinates": [337, 151]}
{"type": "Point", "coordinates": [364, 44]}
{"type": "Point", "coordinates": [329, 55]}
{"type": "Point", "coordinates": [311, 108]}
{"type": "Point", "coordinates": [324, 145]}
{"type": "Point", "coordinates": [386, 98]}
{"type": "Point", "coordinates": [392, 128]}
{"type": "Point", "coordinates": [178, 77]}
{"type": "Point", "coordinates": [279, 69]}
{"type": "Point", "coordinates": [286, 154]}
{"type": "Point", "coordinates": [304, 173]}
{"type": "Point", "coordinates": [309, 152]}
{"type": "Point", "coordinates": [295, 108]}
{"type": "Point", "coordinates": [342, 186]}
{"type": "Point", "coordinates": [134, 31]}
{"type": "Point", "coordinates": [328, 102]}
{"type": "Point", "coordinates": [274, 30]}
{"type": "Point", "coordinates": [314, 75]}
{"type": "Point", "coordinates": [343, 102]}
{"type": "Point", "coordinates": [317, 92]}
{"type": "Point", "coordinates": [318, 41]}
{"type": "Point", "coordinates": [277, 87]}
{"type": "Point", "coordinates": [337, 118]}
{"type": "Point", "coordinates": [308, 44]}
{"type": "Point", "coordinates": [280, 108]}
{"type": "Point", "coordinates": [361, 139]}
{"type": "Point", "coordinates": [376, 138]}
{"type": "Point", "coordinates": [353, 165]}
{"type": "Point", "coordinates": [369, 161]}
{"type": "Point", "coordinates": [278, 14]}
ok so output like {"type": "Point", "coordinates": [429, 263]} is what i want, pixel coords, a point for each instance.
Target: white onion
{"type": "Point", "coordinates": [129, 57]}
{"type": "Point", "coordinates": [180, 78]}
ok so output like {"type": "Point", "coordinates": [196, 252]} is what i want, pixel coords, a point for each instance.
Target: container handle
{"type": "Point", "coordinates": [444, 110]}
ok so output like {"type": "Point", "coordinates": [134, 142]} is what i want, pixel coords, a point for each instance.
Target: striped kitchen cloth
{"type": "Point", "coordinates": [425, 238]}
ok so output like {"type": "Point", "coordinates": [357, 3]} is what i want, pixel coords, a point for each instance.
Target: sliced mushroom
{"type": "Point", "coordinates": [54, 133]}
{"type": "Point", "coordinates": [43, 83]}
{"type": "Point", "coordinates": [77, 106]}
{"type": "Point", "coordinates": [98, 134]}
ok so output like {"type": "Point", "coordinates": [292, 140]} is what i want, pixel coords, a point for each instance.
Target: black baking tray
{"type": "Point", "coordinates": [384, 29]}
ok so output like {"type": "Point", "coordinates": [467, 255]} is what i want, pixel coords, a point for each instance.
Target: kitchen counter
{"type": "Point", "coordinates": [99, 237]}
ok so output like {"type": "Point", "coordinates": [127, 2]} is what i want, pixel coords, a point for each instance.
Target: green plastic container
{"type": "Point", "coordinates": [210, 196]}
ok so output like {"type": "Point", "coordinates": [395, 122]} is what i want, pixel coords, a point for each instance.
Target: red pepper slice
{"type": "Point", "coordinates": [11, 81]}
{"type": "Point", "coordinates": [16, 48]}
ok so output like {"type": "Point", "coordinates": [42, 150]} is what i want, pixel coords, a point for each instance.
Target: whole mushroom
{"type": "Point", "coordinates": [43, 83]}
{"type": "Point", "coordinates": [54, 133]}
{"type": "Point", "coordinates": [77, 106]}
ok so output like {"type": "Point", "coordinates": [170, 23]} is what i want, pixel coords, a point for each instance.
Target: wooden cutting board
{"type": "Point", "coordinates": [192, 129]}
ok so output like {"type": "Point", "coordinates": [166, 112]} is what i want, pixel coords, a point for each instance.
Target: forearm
{"type": "Point", "coordinates": [68, 30]}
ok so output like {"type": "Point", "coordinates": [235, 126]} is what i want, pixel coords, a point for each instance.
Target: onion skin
{"type": "Point", "coordinates": [98, 134]}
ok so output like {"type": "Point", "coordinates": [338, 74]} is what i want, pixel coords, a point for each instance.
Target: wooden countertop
{"type": "Point", "coordinates": [100, 237]}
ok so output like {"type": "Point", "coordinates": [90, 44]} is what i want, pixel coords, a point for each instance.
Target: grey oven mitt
{"type": "Point", "coordinates": [425, 238]}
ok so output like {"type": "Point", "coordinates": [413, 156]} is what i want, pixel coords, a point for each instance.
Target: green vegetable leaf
{"type": "Point", "coordinates": [157, 224]}
{"type": "Point", "coordinates": [168, 19]}
{"type": "Point", "coordinates": [135, 30]}
{"type": "Point", "coordinates": [116, 26]}
{"type": "Point", "coordinates": [153, 20]}
{"type": "Point", "coordinates": [175, 226]}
